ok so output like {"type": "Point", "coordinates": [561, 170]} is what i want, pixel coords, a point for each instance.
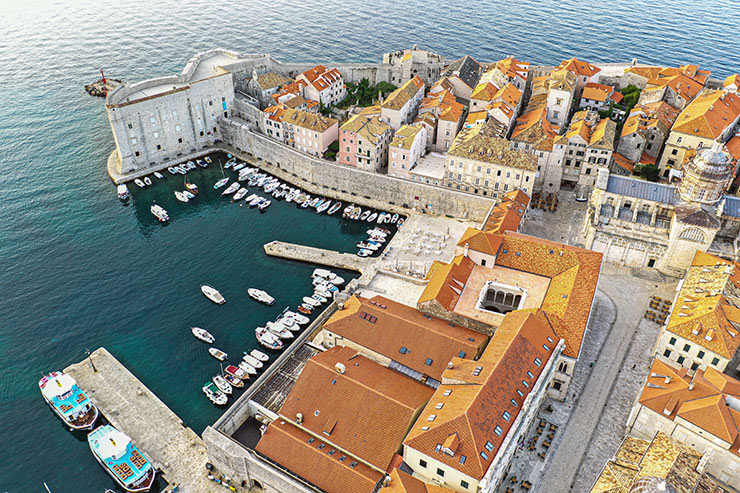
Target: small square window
{"type": "Point", "coordinates": [687, 347]}
{"type": "Point", "coordinates": [439, 405]}
{"type": "Point", "coordinates": [545, 346]}
{"type": "Point", "coordinates": [463, 459]}
{"type": "Point", "coordinates": [681, 359]}
{"type": "Point", "coordinates": [461, 354]}
{"type": "Point", "coordinates": [447, 392]}
{"type": "Point", "coordinates": [432, 417]}
{"type": "Point", "coordinates": [506, 416]}
{"type": "Point", "coordinates": [694, 366]}
{"type": "Point", "coordinates": [438, 447]}
{"type": "Point", "coordinates": [537, 361]}
{"type": "Point", "coordinates": [342, 457]}
{"type": "Point", "coordinates": [513, 403]}
{"type": "Point", "coordinates": [353, 464]}
{"type": "Point", "coordinates": [667, 353]}
{"type": "Point", "coordinates": [440, 472]}
{"type": "Point", "coordinates": [428, 362]}
{"type": "Point", "coordinates": [403, 350]}
{"type": "Point", "coordinates": [715, 361]}
{"type": "Point", "coordinates": [422, 463]}
{"type": "Point", "coordinates": [700, 354]}
{"type": "Point", "coordinates": [464, 483]}
{"type": "Point", "coordinates": [321, 446]}
{"type": "Point", "coordinates": [311, 440]}
{"type": "Point", "coordinates": [484, 455]}
{"type": "Point", "coordinates": [498, 432]}
{"type": "Point", "coordinates": [672, 341]}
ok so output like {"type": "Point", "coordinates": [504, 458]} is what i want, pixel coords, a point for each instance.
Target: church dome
{"type": "Point", "coordinates": [651, 484]}
{"type": "Point", "coordinates": [707, 175]}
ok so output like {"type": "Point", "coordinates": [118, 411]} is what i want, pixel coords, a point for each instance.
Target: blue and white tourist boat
{"type": "Point", "coordinates": [122, 191]}
{"type": "Point", "coordinates": [159, 212]}
{"type": "Point", "coordinates": [220, 183]}
{"type": "Point", "coordinates": [66, 399]}
{"type": "Point", "coordinates": [121, 459]}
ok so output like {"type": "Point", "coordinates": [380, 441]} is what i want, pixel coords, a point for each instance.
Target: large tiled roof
{"type": "Point", "coordinates": [466, 413]}
{"type": "Point", "coordinates": [446, 281]}
{"type": "Point", "coordinates": [400, 482]}
{"type": "Point", "coordinates": [662, 462]}
{"type": "Point", "coordinates": [658, 114]}
{"type": "Point", "coordinates": [705, 310]}
{"type": "Point", "coordinates": [466, 69]}
{"type": "Point", "coordinates": [478, 144]}
{"type": "Point", "coordinates": [366, 410]}
{"type": "Point", "coordinates": [532, 126]}
{"type": "Point", "coordinates": [288, 445]}
{"type": "Point", "coordinates": [597, 92]}
{"type": "Point", "coordinates": [271, 79]}
{"type": "Point", "coordinates": [686, 81]}
{"type": "Point", "coordinates": [442, 105]}
{"type": "Point", "coordinates": [320, 77]}
{"type": "Point", "coordinates": [709, 115]}
{"type": "Point", "coordinates": [370, 128]}
{"type": "Point", "coordinates": [309, 121]}
{"type": "Point", "coordinates": [508, 214]}
{"type": "Point", "coordinates": [405, 136]}
{"type": "Point", "coordinates": [384, 326]}
{"type": "Point", "coordinates": [703, 400]}
{"type": "Point", "coordinates": [562, 80]}
{"type": "Point", "coordinates": [641, 189]}
{"type": "Point", "coordinates": [579, 67]}
{"type": "Point", "coordinates": [398, 98]}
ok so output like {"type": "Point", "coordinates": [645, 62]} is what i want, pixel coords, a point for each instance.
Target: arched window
{"type": "Point", "coordinates": [692, 234]}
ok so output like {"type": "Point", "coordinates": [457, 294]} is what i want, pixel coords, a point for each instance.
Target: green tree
{"type": "Point", "coordinates": [650, 172]}
{"type": "Point", "coordinates": [332, 150]}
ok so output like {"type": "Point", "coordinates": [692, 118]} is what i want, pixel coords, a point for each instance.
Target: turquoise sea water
{"type": "Point", "coordinates": [80, 270]}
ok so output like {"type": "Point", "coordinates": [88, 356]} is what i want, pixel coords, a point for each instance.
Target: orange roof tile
{"type": "Point", "coordinates": [623, 162]}
{"type": "Point", "coordinates": [398, 98]}
{"type": "Point", "coordinates": [709, 114]}
{"type": "Point", "coordinates": [482, 392]}
{"type": "Point", "coordinates": [400, 482]}
{"type": "Point", "coordinates": [658, 114]}
{"type": "Point", "coordinates": [288, 445]}
{"type": "Point", "coordinates": [446, 284]}
{"type": "Point", "coordinates": [597, 92]}
{"type": "Point", "coordinates": [481, 241]}
{"type": "Point", "coordinates": [366, 410]}
{"type": "Point", "coordinates": [320, 77]}
{"type": "Point", "coordinates": [732, 80]}
{"type": "Point", "coordinates": [386, 327]}
{"type": "Point", "coordinates": [579, 67]}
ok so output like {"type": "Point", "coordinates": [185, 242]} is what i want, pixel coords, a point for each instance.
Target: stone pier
{"type": "Point", "coordinates": [313, 255]}
{"type": "Point", "coordinates": [176, 451]}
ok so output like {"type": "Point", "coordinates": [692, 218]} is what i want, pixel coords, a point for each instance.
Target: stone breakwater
{"type": "Point", "coordinates": [99, 88]}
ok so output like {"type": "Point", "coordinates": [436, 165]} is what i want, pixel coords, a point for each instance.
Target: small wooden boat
{"type": "Point", "coordinates": [147, 181]}
{"type": "Point", "coordinates": [233, 381]}
{"type": "Point", "coordinates": [304, 309]}
{"type": "Point", "coordinates": [236, 372]}
{"type": "Point", "coordinates": [207, 159]}
{"type": "Point", "coordinates": [334, 208]}
{"type": "Point", "coordinates": [347, 211]}
{"type": "Point", "coordinates": [218, 354]}
{"type": "Point", "coordinates": [212, 294]}
{"type": "Point", "coordinates": [364, 215]}
{"type": "Point", "coordinates": [181, 196]}
{"type": "Point", "coordinates": [400, 222]}
{"type": "Point", "coordinates": [172, 170]}
{"type": "Point", "coordinates": [180, 169]}
{"type": "Point", "coordinates": [192, 187]}
{"type": "Point", "coordinates": [222, 384]}
{"type": "Point", "coordinates": [203, 335]}
{"type": "Point", "coordinates": [139, 183]}
{"type": "Point", "coordinates": [259, 355]}
{"type": "Point", "coordinates": [394, 218]}
{"type": "Point", "coordinates": [372, 217]}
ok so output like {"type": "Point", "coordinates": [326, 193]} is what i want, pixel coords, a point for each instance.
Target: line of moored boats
{"type": "Point", "coordinates": [271, 335]}
{"type": "Point", "coordinates": [272, 189]}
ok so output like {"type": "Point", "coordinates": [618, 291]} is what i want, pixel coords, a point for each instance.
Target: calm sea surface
{"type": "Point", "coordinates": [80, 270]}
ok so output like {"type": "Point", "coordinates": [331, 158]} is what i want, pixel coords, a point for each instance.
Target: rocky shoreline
{"type": "Point", "coordinates": [98, 88]}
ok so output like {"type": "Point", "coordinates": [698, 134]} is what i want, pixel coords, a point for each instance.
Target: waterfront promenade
{"type": "Point", "coordinates": [177, 453]}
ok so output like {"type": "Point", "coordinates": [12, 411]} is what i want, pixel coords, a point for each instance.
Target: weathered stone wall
{"type": "Point", "coordinates": [435, 309]}
{"type": "Point", "coordinates": [349, 184]}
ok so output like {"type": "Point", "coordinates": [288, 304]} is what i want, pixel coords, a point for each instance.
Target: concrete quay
{"type": "Point", "coordinates": [178, 454]}
{"type": "Point", "coordinates": [348, 261]}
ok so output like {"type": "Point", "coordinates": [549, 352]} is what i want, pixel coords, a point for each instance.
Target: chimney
{"type": "Point", "coordinates": [465, 252]}
{"type": "Point", "coordinates": [299, 418]}
{"type": "Point", "coordinates": [450, 365]}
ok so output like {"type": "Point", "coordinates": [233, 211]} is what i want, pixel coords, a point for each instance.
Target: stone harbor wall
{"type": "Point", "coordinates": [349, 184]}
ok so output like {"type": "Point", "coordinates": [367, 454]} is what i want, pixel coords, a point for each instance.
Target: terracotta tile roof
{"type": "Point", "coordinates": [370, 110]}
{"type": "Point", "coordinates": [602, 136]}
{"type": "Point", "coordinates": [471, 420]}
{"type": "Point", "coordinates": [639, 463]}
{"type": "Point", "coordinates": [384, 326]}
{"type": "Point", "coordinates": [586, 128]}
{"type": "Point", "coordinates": [623, 162]}
{"type": "Point", "coordinates": [511, 68]}
{"type": "Point", "coordinates": [476, 117]}
{"type": "Point", "coordinates": [579, 67]}
{"type": "Point", "coordinates": [733, 145]}
{"type": "Point", "coordinates": [562, 79]}
{"type": "Point", "coordinates": [574, 273]}
{"type": "Point", "coordinates": [597, 92]}
{"type": "Point", "coordinates": [310, 121]}
{"type": "Point", "coordinates": [683, 85]}
{"type": "Point", "coordinates": [405, 136]}
{"type": "Point", "coordinates": [479, 144]}
{"type": "Point", "coordinates": [732, 80]}
{"type": "Point", "coordinates": [442, 84]}
{"type": "Point", "coordinates": [446, 283]}
{"type": "Point", "coordinates": [644, 116]}
{"type": "Point", "coordinates": [701, 400]}
{"type": "Point", "coordinates": [271, 79]}
{"type": "Point", "coordinates": [443, 105]}
{"type": "Point", "coordinates": [646, 158]}
{"type": "Point", "coordinates": [532, 126]}
{"type": "Point", "coordinates": [366, 410]}
{"type": "Point", "coordinates": [709, 114]}
{"type": "Point", "coordinates": [485, 90]}
{"type": "Point", "coordinates": [646, 72]}
{"type": "Point", "coordinates": [294, 88]}
{"type": "Point", "coordinates": [508, 214]}
{"type": "Point", "coordinates": [370, 128]}
{"type": "Point", "coordinates": [398, 98]}
{"type": "Point", "coordinates": [705, 310]}
{"type": "Point", "coordinates": [287, 445]}
{"type": "Point", "coordinates": [320, 77]}
{"type": "Point", "coordinates": [481, 241]}
{"type": "Point", "coordinates": [404, 483]}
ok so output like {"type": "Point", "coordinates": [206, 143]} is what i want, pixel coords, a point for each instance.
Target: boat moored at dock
{"type": "Point", "coordinates": [122, 191]}
{"type": "Point", "coordinates": [214, 394]}
{"type": "Point", "coordinates": [68, 401]}
{"type": "Point", "coordinates": [121, 459]}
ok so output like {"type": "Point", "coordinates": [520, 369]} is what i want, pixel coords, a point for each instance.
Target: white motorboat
{"type": "Point", "coordinates": [231, 188]}
{"type": "Point", "coordinates": [139, 183]}
{"type": "Point", "coordinates": [372, 217]}
{"type": "Point", "coordinates": [323, 207]}
{"type": "Point", "coordinates": [181, 169]}
{"type": "Point", "coordinates": [212, 294]}
{"type": "Point", "coordinates": [323, 292]}
{"type": "Point", "coordinates": [300, 319]}
{"type": "Point", "coordinates": [279, 330]}
{"type": "Point", "coordinates": [368, 246]}
{"type": "Point", "coordinates": [251, 197]}
{"type": "Point", "coordinates": [310, 301]}
{"type": "Point", "coordinates": [381, 217]}
{"type": "Point", "coordinates": [147, 181]}
{"type": "Point", "coordinates": [256, 201]}
{"type": "Point", "coordinates": [364, 253]}
{"type": "Point", "coordinates": [261, 296]}
{"type": "Point", "coordinates": [248, 358]}
{"type": "Point", "coordinates": [268, 339]}
{"type": "Point", "coordinates": [326, 275]}
{"type": "Point", "coordinates": [259, 355]}
{"type": "Point", "coordinates": [214, 394]}
{"type": "Point", "coordinates": [347, 211]}
{"type": "Point", "coordinates": [189, 164]}
{"type": "Point", "coordinates": [240, 194]}
{"type": "Point", "coordinates": [159, 212]}
{"type": "Point", "coordinates": [220, 183]}
{"type": "Point", "coordinates": [236, 372]}
{"type": "Point", "coordinates": [222, 384]}
{"type": "Point", "coordinates": [181, 196]}
{"type": "Point", "coordinates": [190, 195]}
{"type": "Point", "coordinates": [323, 273]}
{"type": "Point", "coordinates": [233, 380]}
{"type": "Point", "coordinates": [230, 163]}
{"type": "Point", "coordinates": [319, 298]}
{"type": "Point", "coordinates": [158, 175]}
{"type": "Point", "coordinates": [288, 323]}
{"type": "Point", "coordinates": [217, 353]}
{"type": "Point", "coordinates": [122, 190]}
{"type": "Point", "coordinates": [264, 205]}
{"type": "Point", "coordinates": [172, 170]}
{"type": "Point", "coordinates": [376, 239]}
{"type": "Point", "coordinates": [364, 215]}
{"type": "Point", "coordinates": [238, 166]}
{"type": "Point", "coordinates": [251, 370]}
{"type": "Point", "coordinates": [376, 232]}
{"type": "Point", "coordinates": [203, 335]}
